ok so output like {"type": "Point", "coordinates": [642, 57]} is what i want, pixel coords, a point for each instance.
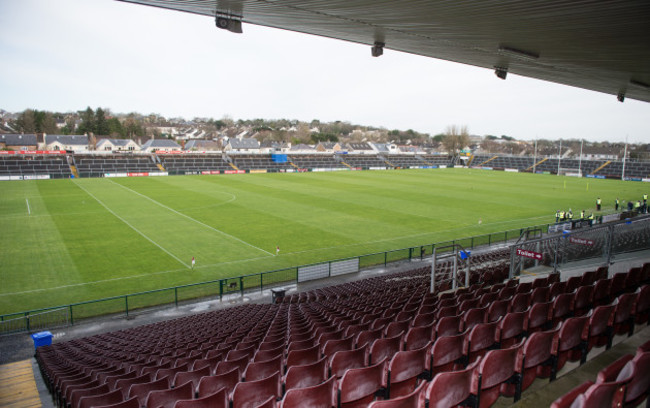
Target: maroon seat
{"type": "Point", "coordinates": [510, 329]}
{"type": "Point", "coordinates": [557, 288]}
{"type": "Point", "coordinates": [488, 298]}
{"type": "Point", "coordinates": [413, 400]}
{"type": "Point", "coordinates": [617, 287]}
{"type": "Point", "coordinates": [262, 369]}
{"type": "Point", "coordinates": [573, 283]}
{"type": "Point", "coordinates": [141, 390]}
{"type": "Point", "coordinates": [495, 374]}
{"type": "Point", "coordinates": [583, 300]}
{"type": "Point", "coordinates": [268, 354]}
{"type": "Point", "coordinates": [624, 314]}
{"type": "Point", "coordinates": [497, 309]}
{"type": "Point", "coordinates": [250, 394]}
{"type": "Point", "coordinates": [210, 385]}
{"type": "Point", "coordinates": [600, 332]}
{"type": "Point", "coordinates": [306, 375]}
{"type": "Point", "coordinates": [452, 388]}
{"type": "Point", "coordinates": [634, 372]}
{"type": "Point", "coordinates": [367, 337]}
{"type": "Point", "coordinates": [447, 353]}
{"type": "Point", "coordinates": [562, 307]}
{"type": "Point", "coordinates": [227, 366]}
{"type": "Point", "coordinates": [418, 337]}
{"type": "Point", "coordinates": [322, 395]}
{"type": "Point", "coordinates": [404, 370]}
{"type": "Point", "coordinates": [566, 400]}
{"type": "Point", "coordinates": [108, 398]}
{"type": "Point", "coordinates": [395, 328]}
{"type": "Point", "coordinates": [67, 386]}
{"type": "Point", "coordinates": [123, 384]}
{"type": "Point", "coordinates": [642, 310]}
{"type": "Point", "coordinates": [216, 400]}
{"type": "Point", "coordinates": [479, 340]}
{"type": "Point", "coordinates": [79, 393]}
{"type": "Point", "coordinates": [167, 398]}
{"type": "Point", "coordinates": [111, 380]}
{"type": "Point", "coordinates": [570, 343]}
{"type": "Point", "coordinates": [193, 376]}
{"type": "Point", "coordinates": [520, 302]}
{"type": "Point", "coordinates": [358, 386]}
{"type": "Point", "coordinates": [130, 403]}
{"type": "Point", "coordinates": [384, 349]}
{"type": "Point", "coordinates": [302, 357]}
{"type": "Point", "coordinates": [472, 317]}
{"type": "Point", "coordinates": [468, 304]}
{"type": "Point", "coordinates": [507, 292]}
{"type": "Point", "coordinates": [601, 292]}
{"type": "Point", "coordinates": [344, 360]}
{"type": "Point", "coordinates": [538, 317]}
{"type": "Point", "coordinates": [301, 344]}
{"type": "Point", "coordinates": [604, 395]}
{"type": "Point", "coordinates": [448, 326]}
{"type": "Point", "coordinates": [540, 294]}
{"type": "Point", "coordinates": [537, 358]}
{"type": "Point", "coordinates": [447, 311]}
{"type": "Point", "coordinates": [332, 346]}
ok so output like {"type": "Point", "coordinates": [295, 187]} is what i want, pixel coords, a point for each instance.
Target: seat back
{"type": "Point", "coordinates": [262, 369]}
{"type": "Point", "coordinates": [322, 395]}
{"type": "Point", "coordinates": [404, 369]}
{"type": "Point", "coordinates": [384, 348]}
{"type": "Point", "coordinates": [252, 393]}
{"type": "Point", "coordinates": [306, 375]}
{"type": "Point", "coordinates": [167, 398]}
{"type": "Point", "coordinates": [359, 385]}
{"type": "Point", "coordinates": [213, 383]}
{"type": "Point", "coordinates": [451, 388]}
{"type": "Point", "coordinates": [446, 352]}
{"type": "Point", "coordinates": [344, 360]}
{"type": "Point", "coordinates": [216, 400]}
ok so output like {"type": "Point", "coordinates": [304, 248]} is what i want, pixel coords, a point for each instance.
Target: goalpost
{"type": "Point", "coordinates": [570, 172]}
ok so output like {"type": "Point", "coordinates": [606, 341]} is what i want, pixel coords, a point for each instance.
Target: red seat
{"type": "Point", "coordinates": [193, 376]}
{"type": "Point", "coordinates": [496, 371]}
{"type": "Point", "coordinates": [468, 304]}
{"type": "Point", "coordinates": [570, 343]}
{"type": "Point", "coordinates": [302, 357]}
{"type": "Point", "coordinates": [538, 317]}
{"type": "Point", "coordinates": [167, 398]}
{"type": "Point", "coordinates": [601, 292]}
{"type": "Point", "coordinates": [262, 369]}
{"type": "Point", "coordinates": [267, 354]}
{"type": "Point", "coordinates": [111, 380]}
{"type": "Point", "coordinates": [600, 332]}
{"type": "Point", "coordinates": [642, 310]}
{"type": "Point", "coordinates": [566, 400]}
{"type": "Point", "coordinates": [557, 288]}
{"type": "Point", "coordinates": [412, 400]}
{"type": "Point", "coordinates": [537, 358]}
{"type": "Point", "coordinates": [306, 375]}
{"type": "Point", "coordinates": [322, 395]}
{"type": "Point", "coordinates": [562, 307]}
{"type": "Point", "coordinates": [141, 390]}
{"type": "Point", "coordinates": [452, 388]}
{"type": "Point", "coordinates": [332, 346]}
{"type": "Point", "coordinates": [617, 287]}
{"type": "Point", "coordinates": [384, 348]}
{"type": "Point", "coordinates": [510, 329]}
{"type": "Point", "coordinates": [573, 283]}
{"type": "Point", "coordinates": [540, 295]}
{"type": "Point", "coordinates": [446, 311]}
{"type": "Point", "coordinates": [213, 383]}
{"type": "Point", "coordinates": [447, 353]}
{"type": "Point", "coordinates": [624, 314]}
{"type": "Point", "coordinates": [367, 337]}
{"type": "Point", "coordinates": [418, 337]}
{"type": "Point", "coordinates": [404, 370]}
{"type": "Point", "coordinates": [250, 394]}
{"type": "Point", "coordinates": [479, 340]}
{"type": "Point", "coordinates": [588, 278]}
{"type": "Point", "coordinates": [604, 395]}
{"type": "Point", "coordinates": [448, 326]}
{"type": "Point", "coordinates": [79, 393]}
{"type": "Point", "coordinates": [130, 403]}
{"type": "Point", "coordinates": [634, 371]}
{"type": "Point", "coordinates": [227, 366]}
{"type": "Point", "coordinates": [395, 328]}
{"type": "Point", "coordinates": [216, 400]}
{"type": "Point", "coordinates": [358, 386]}
{"type": "Point", "coordinates": [520, 302]}
{"type": "Point", "coordinates": [583, 301]}
{"type": "Point", "coordinates": [344, 360]}
{"type": "Point", "coordinates": [108, 398]}
{"type": "Point", "coordinates": [123, 384]}
{"type": "Point", "coordinates": [497, 309]}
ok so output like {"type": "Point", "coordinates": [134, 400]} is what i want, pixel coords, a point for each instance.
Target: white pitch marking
{"type": "Point", "coordinates": [190, 218]}
{"type": "Point", "coordinates": [29, 211]}
{"type": "Point", "coordinates": [133, 228]}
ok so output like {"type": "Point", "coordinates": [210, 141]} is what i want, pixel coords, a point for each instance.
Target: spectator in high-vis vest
{"type": "Point", "coordinates": [598, 202]}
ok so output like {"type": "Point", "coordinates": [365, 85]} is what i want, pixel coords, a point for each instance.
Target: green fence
{"type": "Point", "coordinates": [217, 289]}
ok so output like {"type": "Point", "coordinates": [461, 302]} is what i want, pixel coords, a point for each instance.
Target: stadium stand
{"type": "Point", "coordinates": [347, 337]}
{"type": "Point", "coordinates": [100, 165]}
{"type": "Point", "coordinates": [55, 166]}
{"type": "Point", "coordinates": [193, 163]}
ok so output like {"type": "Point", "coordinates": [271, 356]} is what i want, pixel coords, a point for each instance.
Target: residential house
{"type": "Point", "coordinates": [360, 148]}
{"type": "Point", "coordinates": [18, 142]}
{"type": "Point", "coordinates": [160, 145]}
{"type": "Point", "coordinates": [203, 146]}
{"type": "Point", "coordinates": [75, 143]}
{"type": "Point", "coordinates": [244, 145]}
{"type": "Point", "coordinates": [331, 147]}
{"type": "Point", "coordinates": [117, 145]}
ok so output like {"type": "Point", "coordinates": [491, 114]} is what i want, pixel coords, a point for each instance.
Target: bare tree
{"type": "Point", "coordinates": [455, 139]}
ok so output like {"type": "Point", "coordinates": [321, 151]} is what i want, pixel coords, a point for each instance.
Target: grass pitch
{"type": "Point", "coordinates": [66, 241]}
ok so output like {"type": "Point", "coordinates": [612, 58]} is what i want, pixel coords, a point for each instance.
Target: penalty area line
{"type": "Point", "coordinates": [192, 219]}
{"type": "Point", "coordinates": [132, 227]}
{"type": "Point", "coordinates": [29, 211]}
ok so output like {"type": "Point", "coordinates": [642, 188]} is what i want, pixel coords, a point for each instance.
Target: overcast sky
{"type": "Point", "coordinates": [65, 55]}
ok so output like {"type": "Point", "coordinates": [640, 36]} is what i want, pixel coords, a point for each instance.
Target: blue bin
{"type": "Point", "coordinates": [42, 339]}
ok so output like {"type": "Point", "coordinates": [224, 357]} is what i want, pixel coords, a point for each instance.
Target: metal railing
{"type": "Point", "coordinates": [216, 289]}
